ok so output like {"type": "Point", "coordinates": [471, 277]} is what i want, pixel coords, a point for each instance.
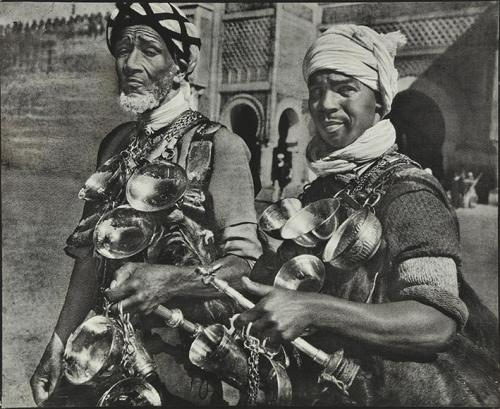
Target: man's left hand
{"type": "Point", "coordinates": [141, 287]}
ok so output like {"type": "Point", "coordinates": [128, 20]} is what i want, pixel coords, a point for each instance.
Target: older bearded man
{"type": "Point", "coordinates": [156, 48]}
{"type": "Point", "coordinates": [419, 333]}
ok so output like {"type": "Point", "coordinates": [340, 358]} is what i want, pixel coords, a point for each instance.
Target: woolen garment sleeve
{"type": "Point", "coordinates": [423, 244]}
{"type": "Point", "coordinates": [231, 188]}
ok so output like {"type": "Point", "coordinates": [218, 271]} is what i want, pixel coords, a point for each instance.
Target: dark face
{"type": "Point", "coordinates": [142, 60]}
{"type": "Point", "coordinates": [341, 107]}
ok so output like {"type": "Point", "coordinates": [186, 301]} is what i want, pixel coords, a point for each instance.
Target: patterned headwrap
{"type": "Point", "coordinates": [361, 53]}
{"type": "Point", "coordinates": [180, 36]}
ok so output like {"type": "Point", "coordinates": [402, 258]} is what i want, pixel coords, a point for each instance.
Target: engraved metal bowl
{"type": "Point", "coordinates": [274, 217]}
{"type": "Point", "coordinates": [123, 232]}
{"type": "Point", "coordinates": [156, 186]}
{"type": "Point", "coordinates": [355, 241]}
{"type": "Point", "coordinates": [302, 273]}
{"type": "Point", "coordinates": [106, 182]}
{"type": "Point", "coordinates": [130, 392]}
{"type": "Point", "coordinates": [92, 349]}
{"type": "Point", "coordinates": [313, 224]}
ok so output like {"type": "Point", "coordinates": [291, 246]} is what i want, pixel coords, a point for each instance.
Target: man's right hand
{"type": "Point", "coordinates": [48, 371]}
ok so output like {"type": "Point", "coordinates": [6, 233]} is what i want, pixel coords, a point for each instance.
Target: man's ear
{"type": "Point", "coordinates": [182, 67]}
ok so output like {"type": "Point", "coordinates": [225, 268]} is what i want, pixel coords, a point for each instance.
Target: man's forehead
{"type": "Point", "coordinates": [140, 31]}
{"type": "Point", "coordinates": [331, 75]}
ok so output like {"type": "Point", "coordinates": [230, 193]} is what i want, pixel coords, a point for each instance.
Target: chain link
{"type": "Point", "coordinates": [144, 142]}
{"type": "Point", "coordinates": [253, 344]}
{"type": "Point", "coordinates": [129, 349]}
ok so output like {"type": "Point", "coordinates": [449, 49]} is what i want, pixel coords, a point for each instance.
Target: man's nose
{"type": "Point", "coordinates": [330, 101]}
{"type": "Point", "coordinates": [132, 63]}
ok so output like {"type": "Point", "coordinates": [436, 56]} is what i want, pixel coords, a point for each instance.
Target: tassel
{"type": "Point", "coordinates": [393, 41]}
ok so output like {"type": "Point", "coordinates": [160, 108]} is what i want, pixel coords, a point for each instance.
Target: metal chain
{"type": "Point", "coordinates": [142, 143]}
{"type": "Point", "coordinates": [128, 341]}
{"type": "Point", "coordinates": [253, 344]}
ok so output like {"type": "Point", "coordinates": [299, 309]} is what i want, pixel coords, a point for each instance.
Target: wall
{"type": "Point", "coordinates": [56, 123]}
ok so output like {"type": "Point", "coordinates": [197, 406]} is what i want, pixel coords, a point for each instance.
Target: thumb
{"type": "Point", "coordinates": [123, 274]}
{"type": "Point", "coordinates": [256, 288]}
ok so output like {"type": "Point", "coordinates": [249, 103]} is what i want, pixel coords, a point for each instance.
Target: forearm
{"type": "Point", "coordinates": [80, 298]}
{"type": "Point", "coordinates": [407, 327]}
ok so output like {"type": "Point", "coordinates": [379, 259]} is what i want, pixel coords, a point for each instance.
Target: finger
{"type": "Point", "coordinates": [256, 288]}
{"type": "Point", "coordinates": [246, 317]}
{"type": "Point", "coordinates": [273, 335]}
{"type": "Point", "coordinates": [40, 393]}
{"type": "Point", "coordinates": [120, 292]}
{"type": "Point", "coordinates": [51, 385]}
{"type": "Point", "coordinates": [260, 327]}
{"type": "Point", "coordinates": [124, 272]}
{"type": "Point", "coordinates": [135, 303]}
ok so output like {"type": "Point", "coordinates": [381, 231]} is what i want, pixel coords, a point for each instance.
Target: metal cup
{"type": "Point", "coordinates": [106, 182]}
{"type": "Point", "coordinates": [302, 273]}
{"type": "Point", "coordinates": [274, 217]}
{"type": "Point", "coordinates": [355, 241]}
{"type": "Point", "coordinates": [156, 186]}
{"type": "Point", "coordinates": [92, 349]}
{"type": "Point", "coordinates": [123, 232]}
{"type": "Point", "coordinates": [313, 224]}
{"type": "Point", "coordinates": [215, 351]}
{"type": "Point", "coordinates": [130, 392]}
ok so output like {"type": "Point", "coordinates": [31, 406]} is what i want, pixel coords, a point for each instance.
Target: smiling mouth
{"type": "Point", "coordinates": [332, 126]}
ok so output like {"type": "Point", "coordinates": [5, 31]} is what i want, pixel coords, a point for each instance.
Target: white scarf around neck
{"type": "Point", "coordinates": [372, 144]}
{"type": "Point", "coordinates": [168, 110]}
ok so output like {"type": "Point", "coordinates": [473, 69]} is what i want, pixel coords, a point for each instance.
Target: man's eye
{"type": "Point", "coordinates": [314, 92]}
{"type": "Point", "coordinates": [121, 51]}
{"type": "Point", "coordinates": [151, 52]}
{"type": "Point", "coordinates": [346, 90]}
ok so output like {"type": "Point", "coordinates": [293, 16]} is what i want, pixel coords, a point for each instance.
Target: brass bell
{"type": "Point", "coordinates": [123, 232]}
{"type": "Point", "coordinates": [156, 186]}
{"type": "Point", "coordinates": [215, 351]}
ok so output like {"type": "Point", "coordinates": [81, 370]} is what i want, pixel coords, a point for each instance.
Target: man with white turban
{"type": "Point", "coordinates": [406, 316]}
{"type": "Point", "coordinates": [156, 48]}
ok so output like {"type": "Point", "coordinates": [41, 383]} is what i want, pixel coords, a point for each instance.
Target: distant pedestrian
{"type": "Point", "coordinates": [281, 175]}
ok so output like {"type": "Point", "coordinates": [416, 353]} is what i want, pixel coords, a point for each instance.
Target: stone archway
{"type": "Point", "coordinates": [420, 129]}
{"type": "Point", "coordinates": [243, 115]}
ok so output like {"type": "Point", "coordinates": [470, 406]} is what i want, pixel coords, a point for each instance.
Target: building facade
{"type": "Point", "coordinates": [249, 78]}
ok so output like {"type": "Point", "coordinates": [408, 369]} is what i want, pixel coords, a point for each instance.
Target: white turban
{"type": "Point", "coordinates": [361, 53]}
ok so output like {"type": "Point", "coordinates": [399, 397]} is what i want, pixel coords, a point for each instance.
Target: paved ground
{"type": "Point", "coordinates": [39, 211]}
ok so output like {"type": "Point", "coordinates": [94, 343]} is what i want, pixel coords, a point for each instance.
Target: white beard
{"type": "Point", "coordinates": [138, 103]}
{"type": "Point", "coordinates": [150, 99]}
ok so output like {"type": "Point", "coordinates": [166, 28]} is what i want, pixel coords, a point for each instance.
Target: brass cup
{"type": "Point", "coordinates": [123, 232]}
{"type": "Point", "coordinates": [313, 224]}
{"type": "Point", "coordinates": [106, 182]}
{"type": "Point", "coordinates": [130, 392]}
{"type": "Point", "coordinates": [302, 273]}
{"type": "Point", "coordinates": [156, 186]}
{"type": "Point", "coordinates": [92, 349]}
{"type": "Point", "coordinates": [274, 217]}
{"type": "Point", "coordinates": [355, 241]}
{"type": "Point", "coordinates": [215, 351]}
